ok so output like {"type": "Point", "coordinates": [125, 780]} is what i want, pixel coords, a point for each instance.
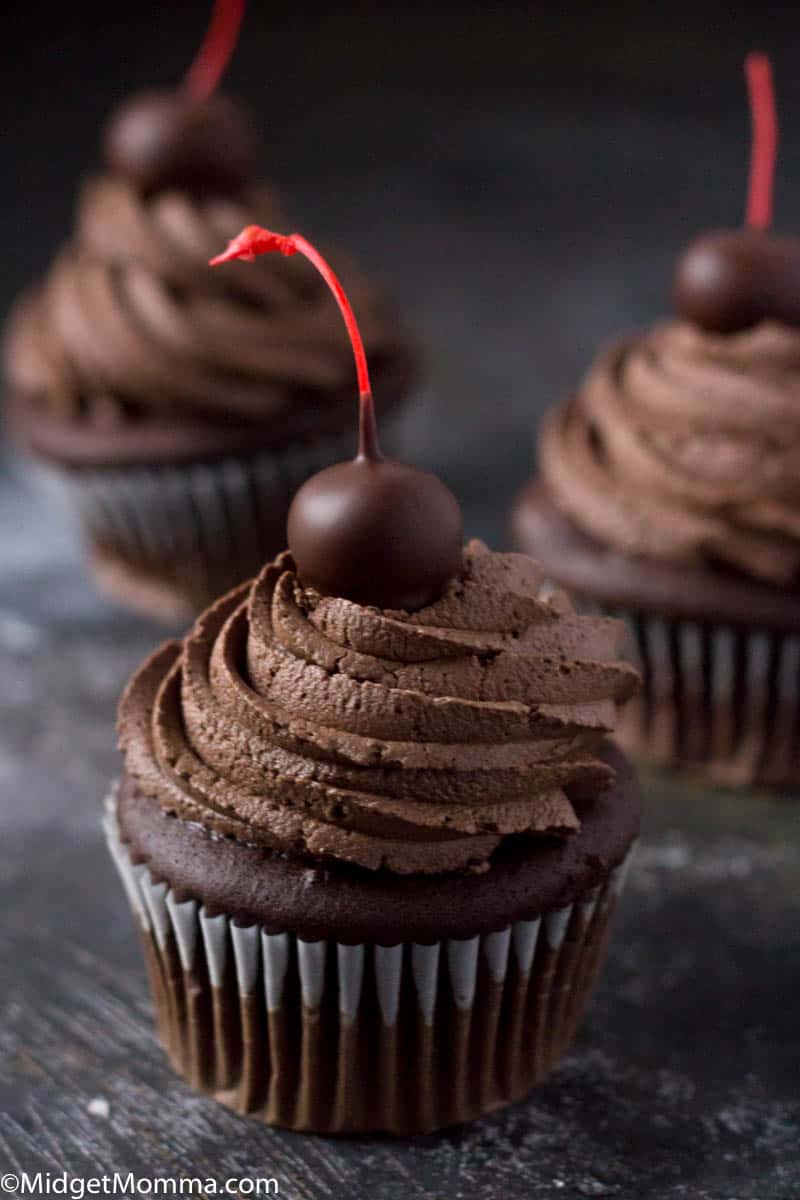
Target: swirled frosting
{"type": "Point", "coordinates": [685, 445]}
{"type": "Point", "coordinates": [131, 328]}
{"type": "Point", "coordinates": [411, 742]}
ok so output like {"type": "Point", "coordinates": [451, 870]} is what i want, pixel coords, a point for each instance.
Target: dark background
{"type": "Point", "coordinates": [523, 176]}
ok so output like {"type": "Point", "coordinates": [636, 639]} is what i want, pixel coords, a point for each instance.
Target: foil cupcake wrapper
{"type": "Point", "coordinates": [335, 1038]}
{"type": "Point", "coordinates": [719, 700]}
{"type": "Point", "coordinates": [195, 529]}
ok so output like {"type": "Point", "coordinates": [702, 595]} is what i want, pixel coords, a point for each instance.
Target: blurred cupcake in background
{"type": "Point", "coordinates": [177, 409]}
{"type": "Point", "coordinates": [669, 493]}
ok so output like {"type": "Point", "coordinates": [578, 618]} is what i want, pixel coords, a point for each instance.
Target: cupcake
{"type": "Point", "coordinates": [370, 823]}
{"type": "Point", "coordinates": [668, 494]}
{"type": "Point", "coordinates": [175, 409]}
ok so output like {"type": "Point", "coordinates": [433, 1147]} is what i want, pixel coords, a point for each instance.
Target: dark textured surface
{"type": "Point", "coordinates": [524, 180]}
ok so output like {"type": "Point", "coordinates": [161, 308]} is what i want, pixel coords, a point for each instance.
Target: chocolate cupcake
{"type": "Point", "coordinates": [374, 853]}
{"type": "Point", "coordinates": [357, 840]}
{"type": "Point", "coordinates": [179, 409]}
{"type": "Point", "coordinates": [669, 495]}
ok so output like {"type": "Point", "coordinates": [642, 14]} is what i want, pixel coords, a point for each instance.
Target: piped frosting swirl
{"type": "Point", "coordinates": [684, 445]}
{"type": "Point", "coordinates": [410, 742]}
{"type": "Point", "coordinates": [132, 328]}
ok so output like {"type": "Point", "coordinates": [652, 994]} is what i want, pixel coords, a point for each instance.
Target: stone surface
{"type": "Point", "coordinates": [523, 179]}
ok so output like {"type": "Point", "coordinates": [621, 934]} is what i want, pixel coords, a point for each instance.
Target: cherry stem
{"type": "Point", "coordinates": [765, 140]}
{"type": "Point", "coordinates": [254, 241]}
{"type": "Point", "coordinates": [218, 45]}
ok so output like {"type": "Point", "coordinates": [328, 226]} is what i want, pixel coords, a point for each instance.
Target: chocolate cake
{"type": "Point", "coordinates": [360, 838]}
{"type": "Point", "coordinates": [369, 822]}
{"type": "Point", "coordinates": [669, 494]}
{"type": "Point", "coordinates": [170, 406]}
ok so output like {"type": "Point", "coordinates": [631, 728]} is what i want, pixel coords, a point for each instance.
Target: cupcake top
{"type": "Point", "coordinates": [410, 742]}
{"type": "Point", "coordinates": [131, 349]}
{"type": "Point", "coordinates": [683, 444]}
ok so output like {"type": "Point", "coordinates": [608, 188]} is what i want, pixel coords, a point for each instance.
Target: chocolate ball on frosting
{"type": "Point", "coordinates": [731, 280]}
{"type": "Point", "coordinates": [349, 734]}
{"type": "Point", "coordinates": [169, 139]}
{"type": "Point", "coordinates": [376, 532]}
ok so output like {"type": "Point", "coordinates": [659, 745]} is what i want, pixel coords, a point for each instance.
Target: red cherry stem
{"type": "Point", "coordinates": [218, 45]}
{"type": "Point", "coordinates": [253, 241]}
{"type": "Point", "coordinates": [765, 140]}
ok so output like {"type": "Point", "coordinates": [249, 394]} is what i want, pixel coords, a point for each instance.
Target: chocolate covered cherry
{"type": "Point", "coordinates": [371, 530]}
{"type": "Point", "coordinates": [192, 139]}
{"type": "Point", "coordinates": [376, 532]}
{"type": "Point", "coordinates": [730, 280]}
{"type": "Point", "coordinates": [172, 139]}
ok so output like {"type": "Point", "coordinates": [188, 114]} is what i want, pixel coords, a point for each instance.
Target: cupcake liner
{"type": "Point", "coordinates": [170, 539]}
{"type": "Point", "coordinates": [335, 1038]}
{"type": "Point", "coordinates": [197, 529]}
{"type": "Point", "coordinates": [720, 699]}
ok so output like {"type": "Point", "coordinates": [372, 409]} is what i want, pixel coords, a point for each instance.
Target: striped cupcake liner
{"type": "Point", "coordinates": [335, 1038]}
{"type": "Point", "coordinates": [169, 540]}
{"type": "Point", "coordinates": [198, 529]}
{"type": "Point", "coordinates": [723, 700]}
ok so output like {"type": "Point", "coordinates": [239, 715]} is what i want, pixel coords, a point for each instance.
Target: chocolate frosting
{"type": "Point", "coordinates": [684, 446]}
{"type": "Point", "coordinates": [337, 901]}
{"type": "Point", "coordinates": [133, 348]}
{"type": "Point", "coordinates": [410, 742]}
